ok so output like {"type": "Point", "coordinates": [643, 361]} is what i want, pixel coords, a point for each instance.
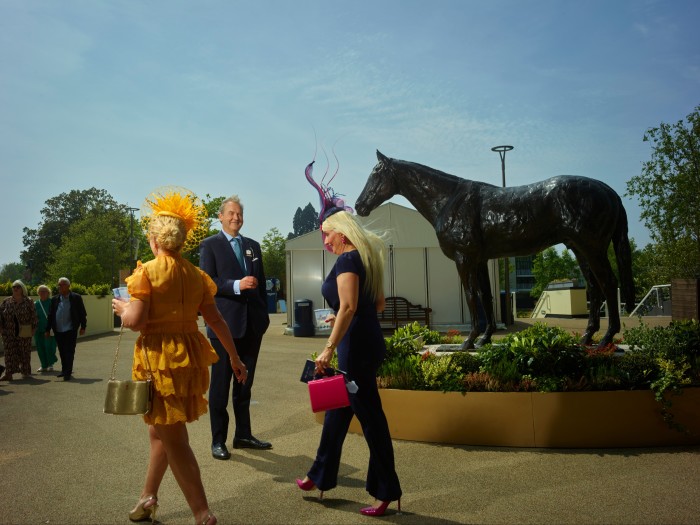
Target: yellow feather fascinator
{"type": "Point", "coordinates": [175, 201]}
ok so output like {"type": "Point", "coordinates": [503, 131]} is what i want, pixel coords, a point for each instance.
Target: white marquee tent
{"type": "Point", "coordinates": [416, 268]}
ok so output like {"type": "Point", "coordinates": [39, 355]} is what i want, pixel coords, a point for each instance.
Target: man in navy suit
{"type": "Point", "coordinates": [235, 264]}
{"type": "Point", "coordinates": [67, 317]}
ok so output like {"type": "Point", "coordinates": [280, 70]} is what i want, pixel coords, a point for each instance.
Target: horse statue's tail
{"type": "Point", "coordinates": [623, 254]}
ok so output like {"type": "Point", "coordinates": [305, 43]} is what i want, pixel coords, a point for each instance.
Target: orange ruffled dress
{"type": "Point", "coordinates": [178, 353]}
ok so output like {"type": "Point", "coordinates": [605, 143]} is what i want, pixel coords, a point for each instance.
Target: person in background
{"type": "Point", "coordinates": [45, 346]}
{"type": "Point", "coordinates": [19, 321]}
{"type": "Point", "coordinates": [67, 318]}
{"type": "Point", "coordinates": [235, 264]}
{"type": "Point", "coordinates": [354, 290]}
{"type": "Point", "coordinates": [166, 295]}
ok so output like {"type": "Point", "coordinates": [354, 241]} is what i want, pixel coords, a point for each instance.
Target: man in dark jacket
{"type": "Point", "coordinates": [235, 264]}
{"type": "Point", "coordinates": [67, 317]}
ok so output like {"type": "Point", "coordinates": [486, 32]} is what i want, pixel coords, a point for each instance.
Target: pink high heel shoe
{"type": "Point", "coordinates": [379, 511]}
{"type": "Point", "coordinates": [307, 486]}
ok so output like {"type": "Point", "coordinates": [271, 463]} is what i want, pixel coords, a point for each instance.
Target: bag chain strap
{"type": "Point", "coordinates": [116, 356]}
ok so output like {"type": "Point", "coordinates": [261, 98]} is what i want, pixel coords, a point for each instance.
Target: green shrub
{"type": "Point", "coordinates": [99, 289]}
{"type": "Point", "coordinates": [539, 352]}
{"type": "Point", "coordinates": [439, 373]}
{"type": "Point", "coordinates": [401, 372]}
{"type": "Point", "coordinates": [548, 359]}
{"type": "Point", "coordinates": [403, 341]}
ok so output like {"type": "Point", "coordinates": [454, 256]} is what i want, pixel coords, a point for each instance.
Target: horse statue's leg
{"type": "Point", "coordinates": [603, 273]}
{"type": "Point", "coordinates": [594, 295]}
{"type": "Point", "coordinates": [602, 284]}
{"type": "Point", "coordinates": [487, 302]}
{"type": "Point", "coordinates": [469, 283]}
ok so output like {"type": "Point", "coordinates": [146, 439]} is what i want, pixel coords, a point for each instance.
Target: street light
{"type": "Point", "coordinates": [501, 150]}
{"type": "Point", "coordinates": [132, 242]}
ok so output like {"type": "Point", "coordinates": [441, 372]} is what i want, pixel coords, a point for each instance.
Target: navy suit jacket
{"type": "Point", "coordinates": [78, 315]}
{"type": "Point", "coordinates": [247, 311]}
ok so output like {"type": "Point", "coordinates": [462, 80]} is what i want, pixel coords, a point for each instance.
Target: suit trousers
{"type": "Point", "coordinates": [66, 342]}
{"type": "Point", "coordinates": [382, 481]}
{"type": "Point", "coordinates": [248, 348]}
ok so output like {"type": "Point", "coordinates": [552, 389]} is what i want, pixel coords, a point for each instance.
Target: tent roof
{"type": "Point", "coordinates": [399, 226]}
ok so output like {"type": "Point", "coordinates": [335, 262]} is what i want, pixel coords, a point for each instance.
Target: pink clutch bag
{"type": "Point", "coordinates": [328, 393]}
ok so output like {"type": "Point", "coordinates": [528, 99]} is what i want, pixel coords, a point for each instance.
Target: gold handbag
{"type": "Point", "coordinates": [25, 330]}
{"type": "Point", "coordinates": [126, 397]}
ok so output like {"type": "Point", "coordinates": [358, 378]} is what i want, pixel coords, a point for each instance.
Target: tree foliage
{"type": "Point", "coordinates": [274, 255]}
{"type": "Point", "coordinates": [92, 252]}
{"type": "Point", "coordinates": [10, 272]}
{"type": "Point", "coordinates": [667, 190]}
{"type": "Point", "coordinates": [549, 265]}
{"type": "Point", "coordinates": [304, 221]}
{"type": "Point", "coordinates": [59, 213]}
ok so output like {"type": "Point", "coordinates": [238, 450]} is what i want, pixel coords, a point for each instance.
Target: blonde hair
{"type": "Point", "coordinates": [22, 286]}
{"type": "Point", "coordinates": [43, 287]}
{"type": "Point", "coordinates": [370, 246]}
{"type": "Point", "coordinates": [169, 232]}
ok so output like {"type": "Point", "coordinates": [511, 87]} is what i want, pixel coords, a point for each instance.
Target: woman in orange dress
{"type": "Point", "coordinates": [166, 295]}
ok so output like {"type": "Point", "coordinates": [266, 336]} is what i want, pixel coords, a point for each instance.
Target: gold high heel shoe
{"type": "Point", "coordinates": [210, 519]}
{"type": "Point", "coordinates": [145, 509]}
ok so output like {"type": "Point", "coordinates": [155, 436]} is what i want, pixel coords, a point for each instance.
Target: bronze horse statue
{"type": "Point", "coordinates": [475, 221]}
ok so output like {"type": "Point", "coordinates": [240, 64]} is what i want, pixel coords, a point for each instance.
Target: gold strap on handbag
{"type": "Point", "coordinates": [116, 357]}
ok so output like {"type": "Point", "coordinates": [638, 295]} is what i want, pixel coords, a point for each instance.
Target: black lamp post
{"type": "Point", "coordinates": [132, 241]}
{"type": "Point", "coordinates": [501, 150]}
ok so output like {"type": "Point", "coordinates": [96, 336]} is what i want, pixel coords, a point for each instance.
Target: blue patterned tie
{"type": "Point", "coordinates": [238, 251]}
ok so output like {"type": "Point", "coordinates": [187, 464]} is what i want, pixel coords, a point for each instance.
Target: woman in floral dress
{"type": "Point", "coordinates": [19, 321]}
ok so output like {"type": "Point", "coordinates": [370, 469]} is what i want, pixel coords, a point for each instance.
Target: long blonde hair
{"type": "Point", "coordinates": [370, 246]}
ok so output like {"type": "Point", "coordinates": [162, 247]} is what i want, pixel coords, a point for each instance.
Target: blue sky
{"type": "Point", "coordinates": [226, 97]}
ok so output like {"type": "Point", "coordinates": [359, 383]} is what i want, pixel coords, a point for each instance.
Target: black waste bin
{"type": "Point", "coordinates": [271, 302]}
{"type": "Point", "coordinates": [304, 318]}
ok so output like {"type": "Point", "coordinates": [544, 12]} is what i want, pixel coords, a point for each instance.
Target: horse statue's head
{"type": "Point", "coordinates": [380, 186]}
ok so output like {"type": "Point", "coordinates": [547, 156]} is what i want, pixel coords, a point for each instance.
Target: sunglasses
{"type": "Point", "coordinates": [16, 287]}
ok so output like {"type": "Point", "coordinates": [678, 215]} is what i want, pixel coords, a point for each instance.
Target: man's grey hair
{"type": "Point", "coordinates": [232, 198]}
{"type": "Point", "coordinates": [64, 280]}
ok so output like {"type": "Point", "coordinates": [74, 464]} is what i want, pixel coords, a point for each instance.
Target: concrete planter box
{"type": "Point", "coordinates": [534, 419]}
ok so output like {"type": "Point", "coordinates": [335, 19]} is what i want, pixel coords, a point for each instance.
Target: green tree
{"type": "Point", "coordinates": [667, 190]}
{"type": "Point", "coordinates": [304, 221]}
{"type": "Point", "coordinates": [92, 251]}
{"type": "Point", "coordinates": [59, 213]}
{"type": "Point", "coordinates": [10, 272]}
{"type": "Point", "coordinates": [274, 256]}
{"type": "Point", "coordinates": [549, 265]}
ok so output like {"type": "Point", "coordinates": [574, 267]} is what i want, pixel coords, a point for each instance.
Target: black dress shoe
{"type": "Point", "coordinates": [219, 451]}
{"type": "Point", "coordinates": [60, 375]}
{"type": "Point", "coordinates": [251, 442]}
{"type": "Point", "coordinates": [67, 378]}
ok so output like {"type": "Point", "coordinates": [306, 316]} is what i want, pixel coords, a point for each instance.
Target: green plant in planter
{"type": "Point", "coordinates": [548, 356]}
{"type": "Point", "coordinates": [440, 373]}
{"type": "Point", "coordinates": [548, 359]}
{"type": "Point", "coordinates": [402, 342]}
{"type": "Point", "coordinates": [401, 372]}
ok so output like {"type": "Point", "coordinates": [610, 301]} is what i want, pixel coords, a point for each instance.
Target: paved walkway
{"type": "Point", "coordinates": [63, 461]}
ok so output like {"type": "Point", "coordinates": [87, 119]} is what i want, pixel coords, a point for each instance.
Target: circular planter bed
{"type": "Point", "coordinates": [535, 419]}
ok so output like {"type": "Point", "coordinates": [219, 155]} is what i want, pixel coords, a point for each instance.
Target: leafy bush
{"type": "Point", "coordinates": [549, 359]}
{"type": "Point", "coordinates": [407, 339]}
